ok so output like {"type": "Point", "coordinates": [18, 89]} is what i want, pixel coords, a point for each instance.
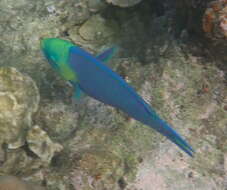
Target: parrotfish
{"type": "Point", "coordinates": [92, 76]}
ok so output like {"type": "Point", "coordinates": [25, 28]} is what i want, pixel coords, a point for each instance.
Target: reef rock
{"type": "Point", "coordinates": [124, 3]}
{"type": "Point", "coordinates": [196, 95]}
{"type": "Point", "coordinates": [40, 143]}
{"type": "Point", "coordinates": [215, 20]}
{"type": "Point", "coordinates": [60, 120]}
{"type": "Point", "coordinates": [98, 29]}
{"type": "Point", "coordinates": [14, 183]}
{"type": "Point", "coordinates": [205, 18]}
{"type": "Point", "coordinates": [100, 169]}
{"type": "Point", "coordinates": [19, 99]}
{"type": "Point", "coordinates": [96, 5]}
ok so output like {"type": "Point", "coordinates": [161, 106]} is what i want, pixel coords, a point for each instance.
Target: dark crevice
{"type": "Point", "coordinates": [122, 183]}
{"type": "Point", "coordinates": [28, 151]}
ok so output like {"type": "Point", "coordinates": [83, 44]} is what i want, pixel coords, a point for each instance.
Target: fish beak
{"type": "Point", "coordinates": [42, 42]}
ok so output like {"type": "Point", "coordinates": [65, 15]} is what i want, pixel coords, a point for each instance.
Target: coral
{"type": "Point", "coordinates": [19, 99]}
{"type": "Point", "coordinates": [205, 21]}
{"type": "Point", "coordinates": [40, 143]}
{"type": "Point", "coordinates": [19, 161]}
{"type": "Point", "coordinates": [215, 20]}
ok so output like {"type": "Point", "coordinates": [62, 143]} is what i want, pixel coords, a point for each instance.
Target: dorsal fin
{"type": "Point", "coordinates": [107, 54]}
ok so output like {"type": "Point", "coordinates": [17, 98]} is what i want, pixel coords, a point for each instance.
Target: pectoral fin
{"type": "Point", "coordinates": [78, 93]}
{"type": "Point", "coordinates": [107, 54]}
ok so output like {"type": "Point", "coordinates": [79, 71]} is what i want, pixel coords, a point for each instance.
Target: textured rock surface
{"type": "Point", "coordinates": [195, 90]}
{"type": "Point", "coordinates": [189, 14]}
{"type": "Point", "coordinates": [215, 27]}
{"type": "Point", "coordinates": [14, 183]}
{"type": "Point", "coordinates": [96, 5]}
{"type": "Point", "coordinates": [205, 18]}
{"type": "Point", "coordinates": [215, 20]}
{"type": "Point", "coordinates": [124, 3]}
{"type": "Point", "coordinates": [97, 28]}
{"type": "Point", "coordinates": [97, 32]}
{"type": "Point", "coordinates": [19, 99]}
{"type": "Point", "coordinates": [40, 143]}
{"type": "Point", "coordinates": [63, 117]}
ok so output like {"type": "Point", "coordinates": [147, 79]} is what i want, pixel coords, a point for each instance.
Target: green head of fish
{"type": "Point", "coordinates": [57, 53]}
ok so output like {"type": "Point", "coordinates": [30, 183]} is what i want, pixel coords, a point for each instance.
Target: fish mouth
{"type": "Point", "coordinates": [42, 43]}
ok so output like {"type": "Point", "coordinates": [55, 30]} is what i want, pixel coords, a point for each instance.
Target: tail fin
{"type": "Point", "coordinates": [163, 128]}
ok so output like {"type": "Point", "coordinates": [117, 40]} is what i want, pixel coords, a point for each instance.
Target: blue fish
{"type": "Point", "coordinates": [91, 76]}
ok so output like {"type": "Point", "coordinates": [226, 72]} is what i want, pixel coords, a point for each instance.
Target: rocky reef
{"type": "Point", "coordinates": [215, 20]}
{"type": "Point", "coordinates": [124, 3]}
{"type": "Point", "coordinates": [19, 99]}
{"type": "Point", "coordinates": [12, 183]}
{"type": "Point", "coordinates": [207, 20]}
{"type": "Point", "coordinates": [172, 52]}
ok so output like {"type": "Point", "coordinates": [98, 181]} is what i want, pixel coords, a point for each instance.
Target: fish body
{"type": "Point", "coordinates": [91, 76]}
